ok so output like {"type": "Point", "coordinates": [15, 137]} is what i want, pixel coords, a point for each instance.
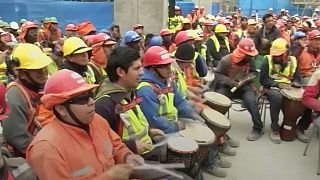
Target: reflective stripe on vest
{"type": "Point", "coordinates": [180, 81]}
{"type": "Point", "coordinates": [20, 169]}
{"type": "Point", "coordinates": [82, 171]}
{"type": "Point", "coordinates": [166, 101]}
{"type": "Point", "coordinates": [286, 75]}
{"type": "Point", "coordinates": [217, 44]}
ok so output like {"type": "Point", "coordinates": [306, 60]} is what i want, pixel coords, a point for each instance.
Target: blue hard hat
{"type": "Point", "coordinates": [131, 36]}
{"type": "Point", "coordinates": [298, 35]}
{"type": "Point", "coordinates": [155, 41]}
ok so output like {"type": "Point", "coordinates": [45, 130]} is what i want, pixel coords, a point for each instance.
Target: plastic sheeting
{"type": "Point", "coordinates": [99, 13]}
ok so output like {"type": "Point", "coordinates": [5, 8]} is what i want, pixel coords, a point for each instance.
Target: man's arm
{"type": "Point", "coordinates": [265, 79]}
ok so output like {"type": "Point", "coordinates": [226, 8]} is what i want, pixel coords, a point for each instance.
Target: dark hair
{"type": "Point", "coordinates": [147, 39]}
{"type": "Point", "coordinates": [266, 16]}
{"type": "Point", "coordinates": [115, 26]}
{"type": "Point", "coordinates": [121, 57]}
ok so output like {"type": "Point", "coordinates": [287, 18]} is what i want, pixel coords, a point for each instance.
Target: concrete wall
{"type": "Point", "coordinates": [151, 13]}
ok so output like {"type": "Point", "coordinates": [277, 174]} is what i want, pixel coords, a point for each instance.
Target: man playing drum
{"type": "Point", "coordinates": [233, 79]}
{"type": "Point", "coordinates": [278, 71]}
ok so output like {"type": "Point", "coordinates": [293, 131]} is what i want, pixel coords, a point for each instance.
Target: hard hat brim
{"type": "Point", "coordinates": [277, 52]}
{"type": "Point", "coordinates": [82, 50]}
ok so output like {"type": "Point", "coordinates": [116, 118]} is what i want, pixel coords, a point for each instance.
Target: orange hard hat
{"type": "Point", "coordinates": [156, 55]}
{"type": "Point", "coordinates": [97, 38]}
{"type": "Point", "coordinates": [314, 34]}
{"type": "Point", "coordinates": [246, 45]}
{"type": "Point", "coordinates": [4, 108]}
{"type": "Point", "coordinates": [26, 26]}
{"type": "Point", "coordinates": [70, 27]}
{"type": "Point", "coordinates": [56, 93]}
{"type": "Point", "coordinates": [85, 28]}
{"type": "Point", "coordinates": [181, 37]}
{"type": "Point", "coordinates": [164, 32]}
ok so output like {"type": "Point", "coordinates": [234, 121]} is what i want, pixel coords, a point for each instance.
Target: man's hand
{"type": "Point", "coordinates": [156, 134]}
{"type": "Point", "coordinates": [119, 172]}
{"type": "Point", "coordinates": [134, 160]}
{"type": "Point", "coordinates": [296, 85]}
{"type": "Point", "coordinates": [141, 146]}
{"type": "Point", "coordinates": [284, 86]}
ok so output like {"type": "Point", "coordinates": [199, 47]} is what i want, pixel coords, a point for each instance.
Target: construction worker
{"type": "Point", "coordinates": [278, 70]}
{"type": "Point", "coordinates": [201, 12]}
{"type": "Point", "coordinates": [316, 13]}
{"type": "Point", "coordinates": [133, 40]}
{"type": "Point", "coordinates": [218, 44]}
{"type": "Point", "coordinates": [76, 125]}
{"type": "Point", "coordinates": [116, 93]}
{"type": "Point", "coordinates": [50, 34]}
{"type": "Point", "coordinates": [23, 94]}
{"type": "Point", "coordinates": [75, 52]}
{"type": "Point", "coordinates": [192, 16]}
{"type": "Point", "coordinates": [208, 29]}
{"type": "Point", "coordinates": [185, 24]}
{"type": "Point", "coordinates": [242, 29]}
{"type": "Point", "coordinates": [174, 23]}
{"type": "Point", "coordinates": [299, 43]}
{"type": "Point", "coordinates": [28, 32]}
{"type": "Point", "coordinates": [282, 29]}
{"type": "Point", "coordinates": [166, 40]}
{"type": "Point", "coordinates": [86, 28]}
{"type": "Point", "coordinates": [251, 28]}
{"type": "Point", "coordinates": [233, 77]}
{"type": "Point", "coordinates": [102, 46]}
{"type": "Point", "coordinates": [71, 30]}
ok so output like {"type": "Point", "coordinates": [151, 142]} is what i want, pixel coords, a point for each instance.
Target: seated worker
{"type": "Point", "coordinates": [278, 70]}
{"type": "Point", "coordinates": [115, 99]}
{"type": "Point", "coordinates": [23, 94]}
{"type": "Point", "coordinates": [235, 73]}
{"type": "Point", "coordinates": [75, 52]}
{"type": "Point", "coordinates": [78, 143]}
{"type": "Point", "coordinates": [9, 166]}
{"type": "Point", "coordinates": [162, 104]}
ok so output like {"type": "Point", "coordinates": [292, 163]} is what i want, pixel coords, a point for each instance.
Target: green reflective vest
{"type": "Point", "coordinates": [90, 79]}
{"type": "Point", "coordinates": [217, 44]}
{"type": "Point", "coordinates": [180, 80]}
{"type": "Point", "coordinates": [3, 73]}
{"type": "Point", "coordinates": [166, 102]}
{"type": "Point", "coordinates": [286, 74]}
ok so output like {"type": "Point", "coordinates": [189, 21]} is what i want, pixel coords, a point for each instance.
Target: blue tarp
{"type": "Point", "coordinates": [186, 7]}
{"type": "Point", "coordinates": [99, 13]}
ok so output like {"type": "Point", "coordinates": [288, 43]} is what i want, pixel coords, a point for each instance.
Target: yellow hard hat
{"type": "Point", "coordinates": [279, 46]}
{"type": "Point", "coordinates": [220, 28]}
{"type": "Point", "coordinates": [74, 45]}
{"type": "Point", "coordinates": [192, 34]}
{"type": "Point", "coordinates": [186, 21]}
{"type": "Point", "coordinates": [29, 56]}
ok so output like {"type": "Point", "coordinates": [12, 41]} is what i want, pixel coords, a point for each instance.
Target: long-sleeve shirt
{"type": "Point", "coordinates": [311, 92]}
{"type": "Point", "coordinates": [270, 36]}
{"type": "Point", "coordinates": [267, 81]}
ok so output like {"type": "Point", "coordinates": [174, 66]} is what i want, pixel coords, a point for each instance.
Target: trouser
{"type": "Point", "coordinates": [275, 99]}
{"type": "Point", "coordinates": [248, 96]}
{"type": "Point", "coordinates": [213, 156]}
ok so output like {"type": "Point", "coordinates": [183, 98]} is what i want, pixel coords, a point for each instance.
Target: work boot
{"type": "Point", "coordinates": [231, 142]}
{"type": "Point", "coordinates": [216, 171]}
{"type": "Point", "coordinates": [275, 137]}
{"type": "Point", "coordinates": [227, 150]}
{"type": "Point", "coordinates": [224, 162]}
{"type": "Point", "coordinates": [301, 136]}
{"type": "Point", "coordinates": [255, 135]}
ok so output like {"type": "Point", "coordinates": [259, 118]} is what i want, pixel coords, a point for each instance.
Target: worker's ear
{"type": "Point", "coordinates": [120, 72]}
{"type": "Point", "coordinates": [61, 110]}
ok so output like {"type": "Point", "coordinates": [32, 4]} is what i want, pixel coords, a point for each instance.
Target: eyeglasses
{"type": "Point", "coordinates": [81, 99]}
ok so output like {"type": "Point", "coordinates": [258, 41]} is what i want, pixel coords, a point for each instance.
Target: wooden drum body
{"type": "Point", "coordinates": [216, 121]}
{"type": "Point", "coordinates": [217, 101]}
{"type": "Point", "coordinates": [292, 109]}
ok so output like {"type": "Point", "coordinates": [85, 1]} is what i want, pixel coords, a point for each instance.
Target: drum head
{"type": "Point", "coordinates": [182, 144]}
{"type": "Point", "coordinates": [294, 93]}
{"type": "Point", "coordinates": [200, 133]}
{"type": "Point", "coordinates": [217, 98]}
{"type": "Point", "coordinates": [216, 118]}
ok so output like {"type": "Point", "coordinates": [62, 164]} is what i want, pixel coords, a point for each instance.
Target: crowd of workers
{"type": "Point", "coordinates": [93, 105]}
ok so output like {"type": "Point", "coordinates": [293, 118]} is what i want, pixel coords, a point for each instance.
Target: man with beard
{"type": "Point", "coordinates": [24, 96]}
{"type": "Point", "coordinates": [278, 71]}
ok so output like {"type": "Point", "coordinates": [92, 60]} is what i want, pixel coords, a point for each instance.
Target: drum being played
{"type": "Point", "coordinates": [217, 101]}
{"type": "Point", "coordinates": [292, 109]}
{"type": "Point", "coordinates": [202, 135]}
{"type": "Point", "coordinates": [182, 150]}
{"type": "Point", "coordinates": [216, 121]}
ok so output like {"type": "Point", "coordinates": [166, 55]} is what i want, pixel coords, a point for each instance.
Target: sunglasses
{"type": "Point", "coordinates": [81, 99]}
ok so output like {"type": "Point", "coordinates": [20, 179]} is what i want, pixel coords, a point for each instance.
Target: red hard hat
{"type": "Point", "coordinates": [181, 37]}
{"type": "Point", "coordinates": [97, 38]}
{"type": "Point", "coordinates": [164, 32]}
{"type": "Point", "coordinates": [70, 27]}
{"type": "Point", "coordinates": [136, 26]}
{"type": "Point", "coordinates": [56, 93]}
{"type": "Point", "coordinates": [85, 28]}
{"type": "Point", "coordinates": [4, 108]}
{"type": "Point", "coordinates": [208, 22]}
{"type": "Point", "coordinates": [314, 34]}
{"type": "Point", "coordinates": [156, 55]}
{"type": "Point", "coordinates": [246, 45]}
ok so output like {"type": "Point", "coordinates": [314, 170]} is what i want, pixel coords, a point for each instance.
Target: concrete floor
{"type": "Point", "coordinates": [264, 160]}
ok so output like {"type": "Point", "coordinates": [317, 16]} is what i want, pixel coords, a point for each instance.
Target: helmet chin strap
{"type": "Point", "coordinates": [158, 73]}
{"type": "Point", "coordinates": [74, 117]}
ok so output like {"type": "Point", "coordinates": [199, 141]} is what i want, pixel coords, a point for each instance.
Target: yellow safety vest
{"type": "Point", "coordinates": [203, 52]}
{"type": "Point", "coordinates": [3, 73]}
{"type": "Point", "coordinates": [166, 102]}
{"type": "Point", "coordinates": [138, 125]}
{"type": "Point", "coordinates": [90, 79]}
{"type": "Point", "coordinates": [285, 76]}
{"type": "Point", "coordinates": [217, 44]}
{"type": "Point", "coordinates": [180, 81]}
{"type": "Point", "coordinates": [52, 67]}
{"type": "Point", "coordinates": [174, 24]}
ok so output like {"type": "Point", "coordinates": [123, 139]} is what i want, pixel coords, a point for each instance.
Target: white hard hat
{"type": "Point", "coordinates": [14, 25]}
{"type": "Point", "coordinates": [270, 9]}
{"type": "Point", "coordinates": [2, 32]}
{"type": "Point", "coordinates": [282, 10]}
{"type": "Point", "coordinates": [287, 10]}
{"type": "Point", "coordinates": [317, 9]}
{"type": "Point", "coordinates": [196, 7]}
